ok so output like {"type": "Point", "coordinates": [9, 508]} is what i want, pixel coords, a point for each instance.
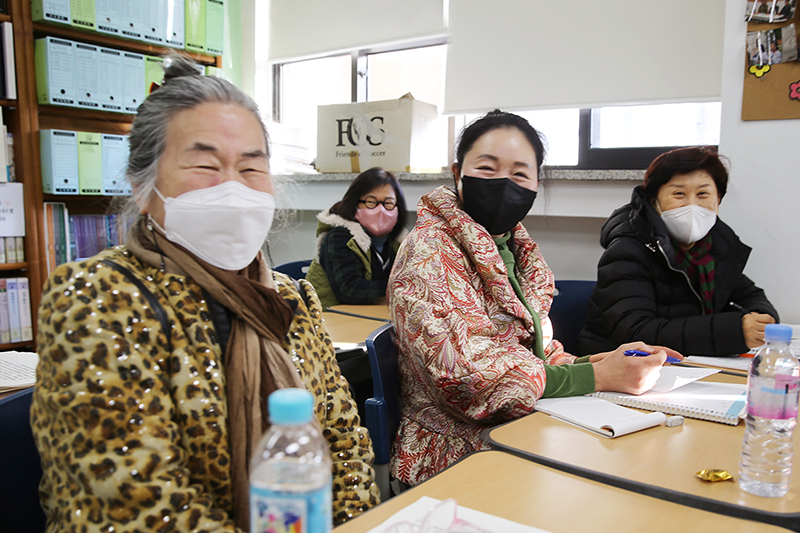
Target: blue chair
{"type": "Point", "coordinates": [382, 411]}
{"type": "Point", "coordinates": [296, 269]}
{"type": "Point", "coordinates": [568, 312]}
{"type": "Point", "coordinates": [20, 467]}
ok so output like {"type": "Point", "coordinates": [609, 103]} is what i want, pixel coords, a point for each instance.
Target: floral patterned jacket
{"type": "Point", "coordinates": [132, 428]}
{"type": "Point", "coordinates": [464, 337]}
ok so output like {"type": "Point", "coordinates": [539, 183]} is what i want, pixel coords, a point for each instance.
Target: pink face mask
{"type": "Point", "coordinates": [378, 220]}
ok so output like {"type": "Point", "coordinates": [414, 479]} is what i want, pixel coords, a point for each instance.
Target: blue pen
{"type": "Point", "coordinates": [639, 353]}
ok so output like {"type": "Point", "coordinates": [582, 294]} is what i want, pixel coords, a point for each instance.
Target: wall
{"type": "Point", "coordinates": [762, 200]}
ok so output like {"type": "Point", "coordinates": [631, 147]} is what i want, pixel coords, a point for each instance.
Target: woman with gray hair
{"type": "Point", "coordinates": [156, 358]}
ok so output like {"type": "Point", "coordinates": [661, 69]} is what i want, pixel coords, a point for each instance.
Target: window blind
{"type": "Point", "coordinates": [301, 29]}
{"type": "Point", "coordinates": [538, 54]}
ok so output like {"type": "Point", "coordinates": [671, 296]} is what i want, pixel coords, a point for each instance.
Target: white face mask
{"type": "Point", "coordinates": [224, 225]}
{"type": "Point", "coordinates": [690, 223]}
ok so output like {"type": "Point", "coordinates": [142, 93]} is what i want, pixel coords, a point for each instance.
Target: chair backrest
{"type": "Point", "coordinates": [296, 269]}
{"type": "Point", "coordinates": [568, 312]}
{"type": "Point", "coordinates": [382, 411]}
{"type": "Point", "coordinates": [20, 467]}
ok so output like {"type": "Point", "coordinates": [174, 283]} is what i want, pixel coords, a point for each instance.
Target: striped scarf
{"type": "Point", "coordinates": [699, 266]}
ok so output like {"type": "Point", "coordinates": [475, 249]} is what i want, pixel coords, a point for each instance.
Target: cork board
{"type": "Point", "coordinates": [775, 94]}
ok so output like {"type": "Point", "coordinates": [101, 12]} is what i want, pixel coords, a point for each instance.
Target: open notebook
{"type": "Point", "coordinates": [599, 416]}
{"type": "Point", "coordinates": [677, 391]}
{"type": "Point", "coordinates": [717, 402]}
{"type": "Point", "coordinates": [17, 370]}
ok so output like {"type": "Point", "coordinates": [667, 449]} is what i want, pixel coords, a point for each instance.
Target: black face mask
{"type": "Point", "coordinates": [497, 204]}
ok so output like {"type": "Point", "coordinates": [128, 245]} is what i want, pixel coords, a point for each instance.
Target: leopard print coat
{"type": "Point", "coordinates": [131, 426]}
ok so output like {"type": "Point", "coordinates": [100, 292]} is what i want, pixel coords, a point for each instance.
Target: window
{"type": "Point", "coordinates": [620, 137]}
{"type": "Point", "coordinates": [656, 125]}
{"type": "Point", "coordinates": [630, 137]}
{"type": "Point", "coordinates": [303, 86]}
{"type": "Point", "coordinates": [419, 71]}
{"type": "Point", "coordinates": [365, 75]}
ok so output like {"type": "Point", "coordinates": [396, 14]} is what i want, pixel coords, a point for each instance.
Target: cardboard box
{"type": "Point", "coordinates": [194, 22]}
{"type": "Point", "coordinates": [55, 71]}
{"type": "Point", "coordinates": [51, 11]}
{"type": "Point", "coordinates": [400, 135]}
{"type": "Point", "coordinates": [90, 163]}
{"type": "Point", "coordinates": [59, 156]}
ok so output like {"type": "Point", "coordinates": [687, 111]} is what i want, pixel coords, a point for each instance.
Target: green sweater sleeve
{"type": "Point", "coordinates": [568, 380]}
{"type": "Point", "coordinates": [581, 359]}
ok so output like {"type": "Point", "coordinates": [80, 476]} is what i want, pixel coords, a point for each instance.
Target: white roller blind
{"type": "Point", "coordinates": [536, 54]}
{"type": "Point", "coordinates": [308, 28]}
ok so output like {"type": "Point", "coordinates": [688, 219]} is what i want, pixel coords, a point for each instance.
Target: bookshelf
{"type": "Point", "coordinates": [24, 118]}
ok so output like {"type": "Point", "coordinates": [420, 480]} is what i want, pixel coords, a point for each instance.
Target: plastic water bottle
{"type": "Point", "coordinates": [290, 473]}
{"type": "Point", "coordinates": [773, 386]}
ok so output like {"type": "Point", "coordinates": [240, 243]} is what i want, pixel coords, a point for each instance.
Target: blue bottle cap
{"type": "Point", "coordinates": [290, 406]}
{"type": "Point", "coordinates": [778, 332]}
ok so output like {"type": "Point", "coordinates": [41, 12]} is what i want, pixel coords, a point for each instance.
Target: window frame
{"type": "Point", "coordinates": [638, 158]}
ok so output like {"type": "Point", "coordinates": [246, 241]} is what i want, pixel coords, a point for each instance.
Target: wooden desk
{"type": "Point", "coordinates": [349, 329]}
{"type": "Point", "coordinates": [376, 312]}
{"type": "Point", "coordinates": [525, 492]}
{"type": "Point", "coordinates": [660, 461]}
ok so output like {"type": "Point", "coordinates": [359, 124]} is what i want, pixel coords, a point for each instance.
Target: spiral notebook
{"type": "Point", "coordinates": [705, 400]}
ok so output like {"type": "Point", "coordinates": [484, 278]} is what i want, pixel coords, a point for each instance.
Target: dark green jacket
{"type": "Point", "coordinates": [346, 267]}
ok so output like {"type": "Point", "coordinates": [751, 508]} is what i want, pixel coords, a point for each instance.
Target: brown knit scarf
{"type": "Point", "coordinates": [255, 364]}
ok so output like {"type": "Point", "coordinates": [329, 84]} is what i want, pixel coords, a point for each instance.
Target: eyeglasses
{"type": "Point", "coordinates": [371, 202]}
{"type": "Point", "coordinates": [441, 517]}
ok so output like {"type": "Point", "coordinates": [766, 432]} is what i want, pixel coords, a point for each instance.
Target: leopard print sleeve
{"type": "Point", "coordinates": [112, 411]}
{"type": "Point", "coordinates": [308, 342]}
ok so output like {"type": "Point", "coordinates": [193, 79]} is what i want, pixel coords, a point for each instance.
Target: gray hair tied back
{"type": "Point", "coordinates": [184, 87]}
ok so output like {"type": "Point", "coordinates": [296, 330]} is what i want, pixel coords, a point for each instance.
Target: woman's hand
{"type": "Point", "coordinates": [615, 371]}
{"type": "Point", "coordinates": [753, 328]}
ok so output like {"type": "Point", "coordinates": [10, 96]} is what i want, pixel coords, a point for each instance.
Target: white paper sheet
{"type": "Point", "coordinates": [415, 512]}
{"type": "Point", "coordinates": [599, 416]}
{"type": "Point", "coordinates": [732, 363]}
{"type": "Point", "coordinates": [673, 377]}
{"type": "Point", "coordinates": [17, 370]}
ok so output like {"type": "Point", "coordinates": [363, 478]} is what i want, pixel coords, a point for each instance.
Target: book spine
{"type": "Point", "coordinates": [11, 249]}
{"type": "Point", "coordinates": [25, 324]}
{"type": "Point", "coordinates": [73, 242]}
{"type": "Point", "coordinates": [8, 61]}
{"type": "Point", "coordinates": [58, 223]}
{"type": "Point", "coordinates": [5, 326]}
{"type": "Point", "coordinates": [13, 310]}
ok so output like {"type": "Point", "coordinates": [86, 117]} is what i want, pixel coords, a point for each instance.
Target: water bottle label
{"type": "Point", "coordinates": [289, 512]}
{"type": "Point", "coordinates": [774, 399]}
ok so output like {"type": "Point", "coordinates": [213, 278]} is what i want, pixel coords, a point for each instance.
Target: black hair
{"type": "Point", "coordinates": [366, 182]}
{"type": "Point", "coordinates": [684, 161]}
{"type": "Point", "coordinates": [495, 120]}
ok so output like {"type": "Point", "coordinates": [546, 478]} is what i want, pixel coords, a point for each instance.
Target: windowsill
{"type": "Point", "coordinates": [549, 174]}
{"type": "Point", "coordinates": [564, 193]}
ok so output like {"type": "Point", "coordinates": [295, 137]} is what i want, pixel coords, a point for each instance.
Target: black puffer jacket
{"type": "Point", "coordinates": [641, 295]}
